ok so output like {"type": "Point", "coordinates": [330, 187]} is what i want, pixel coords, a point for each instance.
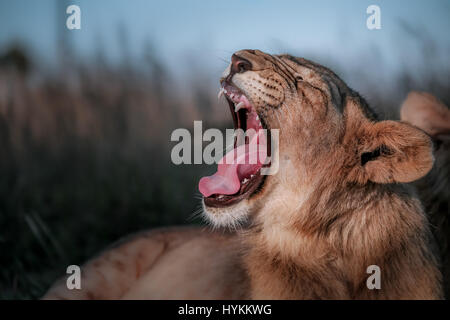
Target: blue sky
{"type": "Point", "coordinates": [211, 30]}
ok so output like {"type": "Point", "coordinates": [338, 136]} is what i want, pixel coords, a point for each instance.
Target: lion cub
{"type": "Point", "coordinates": [431, 115]}
{"type": "Point", "coordinates": [337, 207]}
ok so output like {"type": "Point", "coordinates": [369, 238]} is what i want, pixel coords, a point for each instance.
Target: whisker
{"type": "Point", "coordinates": [197, 212]}
{"type": "Point", "coordinates": [276, 114]}
{"type": "Point", "coordinates": [224, 60]}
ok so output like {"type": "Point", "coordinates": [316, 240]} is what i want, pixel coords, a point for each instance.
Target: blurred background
{"type": "Point", "coordinates": [86, 115]}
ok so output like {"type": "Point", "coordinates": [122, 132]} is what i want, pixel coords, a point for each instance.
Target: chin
{"type": "Point", "coordinates": [234, 216]}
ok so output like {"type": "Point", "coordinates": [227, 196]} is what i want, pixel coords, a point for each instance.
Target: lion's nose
{"type": "Point", "coordinates": [239, 65]}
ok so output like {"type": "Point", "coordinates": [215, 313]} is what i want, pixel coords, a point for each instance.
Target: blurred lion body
{"type": "Point", "coordinates": [337, 205]}
{"type": "Point", "coordinates": [169, 263]}
{"type": "Point", "coordinates": [432, 116]}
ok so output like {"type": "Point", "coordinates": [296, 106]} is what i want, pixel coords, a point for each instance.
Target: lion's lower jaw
{"type": "Point", "coordinates": [231, 217]}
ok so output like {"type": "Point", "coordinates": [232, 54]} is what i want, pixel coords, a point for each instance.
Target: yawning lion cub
{"type": "Point", "coordinates": [337, 205]}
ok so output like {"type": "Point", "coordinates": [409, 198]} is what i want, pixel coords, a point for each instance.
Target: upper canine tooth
{"type": "Point", "coordinates": [238, 106]}
{"type": "Point", "coordinates": [221, 92]}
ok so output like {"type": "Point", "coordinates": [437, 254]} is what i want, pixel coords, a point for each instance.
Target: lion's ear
{"type": "Point", "coordinates": [395, 152]}
{"type": "Point", "coordinates": [427, 113]}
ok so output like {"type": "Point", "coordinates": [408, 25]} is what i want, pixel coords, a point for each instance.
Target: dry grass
{"type": "Point", "coordinates": [85, 160]}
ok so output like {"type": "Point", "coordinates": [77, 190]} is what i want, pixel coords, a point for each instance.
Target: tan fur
{"type": "Point", "coordinates": [426, 112]}
{"type": "Point", "coordinates": [336, 205]}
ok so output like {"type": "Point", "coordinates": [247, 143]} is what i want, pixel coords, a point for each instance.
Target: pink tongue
{"type": "Point", "coordinates": [236, 165]}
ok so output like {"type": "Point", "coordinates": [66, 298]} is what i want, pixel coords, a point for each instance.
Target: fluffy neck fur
{"type": "Point", "coordinates": [316, 258]}
{"type": "Point", "coordinates": [316, 240]}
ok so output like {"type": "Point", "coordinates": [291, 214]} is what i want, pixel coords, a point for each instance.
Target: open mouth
{"type": "Point", "coordinates": [238, 174]}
